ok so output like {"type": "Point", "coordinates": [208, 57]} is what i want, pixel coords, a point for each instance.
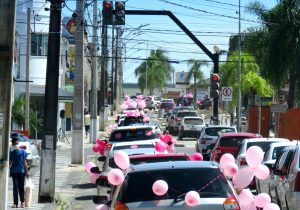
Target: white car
{"type": "Point", "coordinates": [263, 143]}
{"type": "Point", "coordinates": [273, 152]}
{"type": "Point", "coordinates": [152, 102]}
{"type": "Point", "coordinates": [208, 138]}
{"type": "Point", "coordinates": [190, 127]}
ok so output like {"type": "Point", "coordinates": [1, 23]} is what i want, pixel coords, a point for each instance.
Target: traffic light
{"type": "Point", "coordinates": [214, 86]}
{"type": "Point", "coordinates": [107, 12]}
{"type": "Point", "coordinates": [120, 13]}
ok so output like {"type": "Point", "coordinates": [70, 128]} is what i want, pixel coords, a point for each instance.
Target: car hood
{"type": "Point", "coordinates": [205, 204]}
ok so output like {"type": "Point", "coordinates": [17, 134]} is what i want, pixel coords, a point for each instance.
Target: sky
{"type": "Point", "coordinates": [211, 21]}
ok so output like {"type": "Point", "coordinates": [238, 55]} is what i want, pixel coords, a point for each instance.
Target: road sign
{"type": "Point", "coordinates": [279, 108]}
{"type": "Point", "coordinates": [226, 93]}
{"type": "Point", "coordinates": [280, 97]}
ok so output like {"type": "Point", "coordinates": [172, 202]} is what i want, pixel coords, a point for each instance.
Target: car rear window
{"type": "Point", "coordinates": [263, 145]}
{"type": "Point", "coordinates": [132, 135]}
{"type": "Point", "coordinates": [164, 105]}
{"type": "Point", "coordinates": [136, 161]}
{"type": "Point", "coordinates": [194, 121]}
{"type": "Point", "coordinates": [215, 131]}
{"type": "Point", "coordinates": [132, 120]}
{"type": "Point", "coordinates": [184, 114]}
{"type": "Point", "coordinates": [231, 141]}
{"type": "Point", "coordinates": [138, 185]}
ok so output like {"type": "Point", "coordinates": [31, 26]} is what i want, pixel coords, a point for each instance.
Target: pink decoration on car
{"type": "Point", "coordinates": [101, 207]}
{"type": "Point", "coordinates": [121, 159]}
{"type": "Point", "coordinates": [262, 172]}
{"type": "Point", "coordinates": [226, 159]}
{"type": "Point", "coordinates": [160, 146]}
{"type": "Point", "coordinates": [118, 135]}
{"type": "Point", "coordinates": [160, 187]}
{"type": "Point", "coordinates": [246, 198]}
{"type": "Point", "coordinates": [254, 156]}
{"type": "Point", "coordinates": [93, 178]}
{"type": "Point", "coordinates": [115, 177]}
{"type": "Point", "coordinates": [192, 198]}
{"type": "Point", "coordinates": [261, 200]}
{"type": "Point", "coordinates": [271, 206]}
{"type": "Point", "coordinates": [231, 169]}
{"type": "Point", "coordinates": [88, 166]}
{"type": "Point", "coordinates": [243, 178]}
{"type": "Point", "coordinates": [196, 156]}
{"type": "Point", "coordinates": [148, 133]}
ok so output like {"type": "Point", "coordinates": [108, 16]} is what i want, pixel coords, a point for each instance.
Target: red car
{"type": "Point", "coordinates": [229, 143]}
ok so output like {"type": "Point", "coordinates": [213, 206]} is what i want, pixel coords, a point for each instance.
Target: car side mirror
{"type": "Point", "coordinates": [95, 170]}
{"type": "Point", "coordinates": [278, 172]}
{"type": "Point", "coordinates": [269, 165]}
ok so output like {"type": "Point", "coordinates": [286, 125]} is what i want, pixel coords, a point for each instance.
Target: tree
{"type": "Point", "coordinates": [197, 74]}
{"type": "Point", "coordinates": [280, 30]}
{"type": "Point", "coordinates": [251, 82]}
{"type": "Point", "coordinates": [154, 72]}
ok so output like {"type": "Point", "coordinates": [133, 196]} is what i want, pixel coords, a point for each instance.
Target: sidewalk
{"type": "Point", "coordinates": [73, 190]}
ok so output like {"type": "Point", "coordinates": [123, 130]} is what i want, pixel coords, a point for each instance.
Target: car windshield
{"type": "Point", "coordinates": [183, 114]}
{"type": "Point", "coordinates": [164, 105]}
{"type": "Point", "coordinates": [215, 131]}
{"type": "Point", "coordinates": [264, 145]}
{"type": "Point", "coordinates": [132, 134]}
{"type": "Point", "coordinates": [277, 151]}
{"type": "Point", "coordinates": [231, 141]}
{"type": "Point", "coordinates": [138, 185]}
{"type": "Point", "coordinates": [194, 121]}
{"type": "Point", "coordinates": [136, 161]}
{"type": "Point", "coordinates": [132, 120]}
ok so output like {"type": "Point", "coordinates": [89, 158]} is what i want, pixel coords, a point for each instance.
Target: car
{"type": "Point", "coordinates": [165, 107]}
{"type": "Point", "coordinates": [229, 143]}
{"type": "Point", "coordinates": [29, 146]}
{"type": "Point", "coordinates": [286, 180]}
{"type": "Point", "coordinates": [167, 100]}
{"type": "Point", "coordinates": [263, 143]}
{"type": "Point", "coordinates": [215, 191]}
{"type": "Point", "coordinates": [191, 127]}
{"type": "Point", "coordinates": [177, 119]}
{"type": "Point", "coordinates": [208, 138]}
{"type": "Point", "coordinates": [270, 157]}
{"type": "Point", "coordinates": [152, 102]}
{"type": "Point", "coordinates": [173, 112]}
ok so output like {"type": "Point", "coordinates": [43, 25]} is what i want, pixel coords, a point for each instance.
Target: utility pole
{"type": "Point", "coordinates": [7, 25]}
{"type": "Point", "coordinates": [239, 74]}
{"type": "Point", "coordinates": [94, 114]}
{"type": "Point", "coordinates": [27, 92]}
{"type": "Point", "coordinates": [146, 70]}
{"type": "Point", "coordinates": [102, 79]}
{"type": "Point", "coordinates": [117, 73]}
{"type": "Point", "coordinates": [113, 71]}
{"type": "Point", "coordinates": [77, 119]}
{"type": "Point", "coordinates": [48, 160]}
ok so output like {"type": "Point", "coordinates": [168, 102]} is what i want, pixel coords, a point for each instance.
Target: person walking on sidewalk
{"type": "Point", "coordinates": [87, 121]}
{"type": "Point", "coordinates": [18, 171]}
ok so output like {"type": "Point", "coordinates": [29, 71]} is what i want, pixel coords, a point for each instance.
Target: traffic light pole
{"type": "Point", "coordinates": [213, 56]}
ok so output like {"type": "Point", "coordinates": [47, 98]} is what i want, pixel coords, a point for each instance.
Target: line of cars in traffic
{"type": "Point", "coordinates": [148, 165]}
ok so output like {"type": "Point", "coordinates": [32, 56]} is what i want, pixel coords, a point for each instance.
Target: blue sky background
{"type": "Point", "coordinates": [212, 21]}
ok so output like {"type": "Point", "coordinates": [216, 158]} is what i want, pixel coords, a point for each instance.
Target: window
{"type": "Point", "coordinates": [133, 135]}
{"type": "Point", "coordinates": [231, 141]}
{"type": "Point", "coordinates": [193, 121]}
{"type": "Point", "coordinates": [39, 44]}
{"type": "Point", "coordinates": [215, 131]}
{"type": "Point", "coordinates": [183, 114]}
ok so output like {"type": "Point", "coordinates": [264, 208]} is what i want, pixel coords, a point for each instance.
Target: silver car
{"type": "Point", "coordinates": [214, 189]}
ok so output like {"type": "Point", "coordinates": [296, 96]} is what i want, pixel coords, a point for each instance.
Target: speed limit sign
{"type": "Point", "coordinates": [226, 93]}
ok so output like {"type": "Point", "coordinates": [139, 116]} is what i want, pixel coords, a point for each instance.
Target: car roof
{"type": "Point", "coordinates": [288, 143]}
{"type": "Point", "coordinates": [240, 134]}
{"type": "Point", "coordinates": [264, 139]}
{"type": "Point", "coordinates": [174, 165]}
{"type": "Point", "coordinates": [192, 117]}
{"type": "Point", "coordinates": [132, 127]}
{"type": "Point", "coordinates": [159, 155]}
{"type": "Point", "coordinates": [219, 126]}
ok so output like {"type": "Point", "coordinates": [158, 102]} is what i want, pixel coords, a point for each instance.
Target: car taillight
{"type": "Point", "coordinates": [231, 203]}
{"type": "Point", "coordinates": [23, 147]}
{"type": "Point", "coordinates": [297, 183]}
{"type": "Point", "coordinates": [108, 146]}
{"type": "Point", "coordinates": [243, 162]}
{"type": "Point", "coordinates": [121, 206]}
{"type": "Point", "coordinates": [178, 119]}
{"type": "Point", "coordinates": [218, 151]}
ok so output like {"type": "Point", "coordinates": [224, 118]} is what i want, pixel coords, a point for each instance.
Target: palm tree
{"type": "Point", "coordinates": [156, 70]}
{"type": "Point", "coordinates": [195, 72]}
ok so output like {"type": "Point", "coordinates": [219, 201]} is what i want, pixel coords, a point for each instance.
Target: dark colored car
{"type": "Point", "coordinates": [229, 143]}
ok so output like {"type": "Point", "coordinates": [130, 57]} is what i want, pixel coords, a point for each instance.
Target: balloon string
{"type": "Point", "coordinates": [212, 181]}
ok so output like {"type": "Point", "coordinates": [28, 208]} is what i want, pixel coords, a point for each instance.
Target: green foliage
{"type": "Point", "coordinates": [251, 82]}
{"type": "Point", "coordinates": [156, 69]}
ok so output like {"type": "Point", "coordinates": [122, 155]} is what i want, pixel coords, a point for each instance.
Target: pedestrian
{"type": "Point", "coordinates": [87, 121]}
{"type": "Point", "coordinates": [18, 171]}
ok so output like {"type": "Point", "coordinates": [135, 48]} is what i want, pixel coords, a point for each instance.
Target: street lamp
{"type": "Point", "coordinates": [146, 70]}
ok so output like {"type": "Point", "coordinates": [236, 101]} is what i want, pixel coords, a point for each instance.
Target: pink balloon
{"type": "Point", "coordinates": [250, 207]}
{"type": "Point", "coordinates": [124, 106]}
{"type": "Point", "coordinates": [246, 198]}
{"type": "Point", "coordinates": [96, 148]}
{"type": "Point", "coordinates": [160, 187]}
{"type": "Point", "coordinates": [170, 148]}
{"type": "Point", "coordinates": [243, 177]}
{"type": "Point", "coordinates": [225, 159]}
{"type": "Point", "coordinates": [121, 159]}
{"type": "Point", "coordinates": [93, 178]}
{"type": "Point", "coordinates": [254, 156]}
{"type": "Point", "coordinates": [196, 156]}
{"type": "Point", "coordinates": [160, 146]}
{"type": "Point", "coordinates": [261, 200]}
{"type": "Point", "coordinates": [101, 207]}
{"type": "Point", "coordinates": [262, 172]}
{"type": "Point", "coordinates": [192, 198]}
{"type": "Point", "coordinates": [115, 177]}
{"type": "Point", "coordinates": [88, 166]}
{"type": "Point", "coordinates": [231, 169]}
{"type": "Point", "coordinates": [167, 138]}
{"type": "Point", "coordinates": [174, 141]}
{"type": "Point", "coordinates": [271, 206]}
